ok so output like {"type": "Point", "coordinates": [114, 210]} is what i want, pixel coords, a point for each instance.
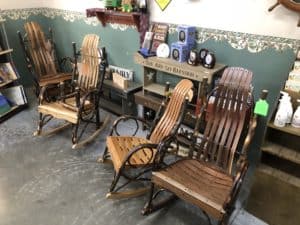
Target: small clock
{"type": "Point", "coordinates": [202, 53]}
{"type": "Point", "coordinates": [181, 36]}
{"type": "Point", "coordinates": [193, 58]}
{"type": "Point", "coordinates": [209, 60]}
{"type": "Point", "coordinates": [163, 50]}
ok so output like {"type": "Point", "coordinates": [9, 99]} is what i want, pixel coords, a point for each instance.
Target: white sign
{"type": "Point", "coordinates": [128, 74]}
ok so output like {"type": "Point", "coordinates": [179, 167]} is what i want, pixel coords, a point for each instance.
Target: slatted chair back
{"type": "Point", "coordinates": [89, 67]}
{"type": "Point", "coordinates": [40, 50]}
{"type": "Point", "coordinates": [227, 118]}
{"type": "Point", "coordinates": [167, 122]}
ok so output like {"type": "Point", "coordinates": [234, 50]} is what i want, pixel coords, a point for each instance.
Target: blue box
{"type": "Point", "coordinates": [186, 34]}
{"type": "Point", "coordinates": [4, 105]}
{"type": "Point", "coordinates": [179, 51]}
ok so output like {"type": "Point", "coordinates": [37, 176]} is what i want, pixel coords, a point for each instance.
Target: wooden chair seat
{"type": "Point", "coordinates": [198, 183]}
{"type": "Point", "coordinates": [54, 79]}
{"type": "Point", "coordinates": [66, 111]}
{"type": "Point", "coordinates": [120, 146]}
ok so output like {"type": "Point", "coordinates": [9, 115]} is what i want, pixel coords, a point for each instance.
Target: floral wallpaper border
{"type": "Point", "coordinates": [251, 42]}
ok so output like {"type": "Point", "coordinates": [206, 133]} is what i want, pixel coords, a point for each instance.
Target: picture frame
{"type": "Point", "coordinates": [7, 72]}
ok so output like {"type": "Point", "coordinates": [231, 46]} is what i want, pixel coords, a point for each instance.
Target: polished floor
{"type": "Point", "coordinates": [44, 182]}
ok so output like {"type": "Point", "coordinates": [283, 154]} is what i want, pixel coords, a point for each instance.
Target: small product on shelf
{"type": "Point", "coordinates": [7, 73]}
{"type": "Point", "coordinates": [15, 95]}
{"type": "Point", "coordinates": [180, 50]}
{"type": "Point", "coordinates": [296, 116]}
{"type": "Point", "coordinates": [4, 105]}
{"type": "Point", "coordinates": [284, 112]}
{"type": "Point", "coordinates": [160, 35]}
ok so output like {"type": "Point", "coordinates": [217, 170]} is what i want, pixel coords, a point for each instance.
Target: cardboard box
{"type": "Point", "coordinates": [120, 81]}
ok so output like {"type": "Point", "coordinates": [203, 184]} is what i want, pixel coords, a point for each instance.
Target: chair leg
{"type": "Point", "coordinates": [148, 207]}
{"type": "Point", "coordinates": [97, 118]}
{"type": "Point", "coordinates": [115, 181]}
{"type": "Point", "coordinates": [74, 133]}
{"type": "Point", "coordinates": [40, 125]}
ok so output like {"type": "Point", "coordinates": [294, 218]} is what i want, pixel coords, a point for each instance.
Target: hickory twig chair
{"type": "Point", "coordinates": [130, 152]}
{"type": "Point", "coordinates": [211, 175]}
{"type": "Point", "coordinates": [82, 105]}
{"type": "Point", "coordinates": [41, 58]}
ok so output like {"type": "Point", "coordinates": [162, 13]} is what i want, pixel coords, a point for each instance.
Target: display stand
{"type": "Point", "coordinates": [12, 95]}
{"type": "Point", "coordinates": [153, 92]}
{"type": "Point", "coordinates": [281, 150]}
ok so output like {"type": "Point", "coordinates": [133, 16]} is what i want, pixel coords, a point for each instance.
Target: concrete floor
{"type": "Point", "coordinates": [44, 182]}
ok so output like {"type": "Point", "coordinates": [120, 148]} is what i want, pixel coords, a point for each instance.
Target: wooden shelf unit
{"type": "Point", "coordinates": [5, 56]}
{"type": "Point", "coordinates": [154, 92]}
{"type": "Point", "coordinates": [126, 96]}
{"type": "Point", "coordinates": [111, 16]}
{"type": "Point", "coordinates": [3, 52]}
{"type": "Point", "coordinates": [281, 150]}
{"type": "Point", "coordinates": [287, 129]}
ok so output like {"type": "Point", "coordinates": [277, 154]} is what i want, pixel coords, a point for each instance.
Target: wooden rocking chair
{"type": "Point", "coordinates": [41, 58]}
{"type": "Point", "coordinates": [82, 105]}
{"type": "Point", "coordinates": [129, 152]}
{"type": "Point", "coordinates": [211, 175]}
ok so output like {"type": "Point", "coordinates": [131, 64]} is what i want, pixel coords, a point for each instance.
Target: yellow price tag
{"type": "Point", "coordinates": [163, 3]}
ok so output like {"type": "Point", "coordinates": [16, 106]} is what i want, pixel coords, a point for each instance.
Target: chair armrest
{"type": "Point", "coordinates": [138, 148]}
{"type": "Point", "coordinates": [238, 180]}
{"type": "Point", "coordinates": [54, 79]}
{"type": "Point", "coordinates": [126, 118]}
{"type": "Point", "coordinates": [250, 134]}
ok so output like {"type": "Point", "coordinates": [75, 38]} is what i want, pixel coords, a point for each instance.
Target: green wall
{"type": "Point", "coordinates": [270, 65]}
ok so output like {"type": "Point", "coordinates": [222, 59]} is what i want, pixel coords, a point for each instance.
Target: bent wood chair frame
{"type": "Point", "coordinates": [213, 162]}
{"type": "Point", "coordinates": [40, 57]}
{"type": "Point", "coordinates": [137, 154]}
{"type": "Point", "coordinates": [81, 105]}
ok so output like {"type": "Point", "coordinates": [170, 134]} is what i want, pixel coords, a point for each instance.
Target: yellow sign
{"type": "Point", "coordinates": [163, 3]}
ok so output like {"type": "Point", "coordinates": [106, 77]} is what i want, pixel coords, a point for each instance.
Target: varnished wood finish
{"type": "Point", "coordinates": [81, 105]}
{"type": "Point", "coordinates": [40, 49]}
{"type": "Point", "coordinates": [226, 121]}
{"type": "Point", "coordinates": [198, 183]}
{"type": "Point", "coordinates": [40, 57]}
{"type": "Point", "coordinates": [206, 177]}
{"type": "Point", "coordinates": [129, 151]}
{"type": "Point", "coordinates": [119, 147]}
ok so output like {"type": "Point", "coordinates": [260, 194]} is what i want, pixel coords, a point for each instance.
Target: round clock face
{"type": "Point", "coordinates": [193, 56]}
{"type": "Point", "coordinates": [208, 59]}
{"type": "Point", "coordinates": [181, 36]}
{"type": "Point", "coordinates": [175, 54]}
{"type": "Point", "coordinates": [202, 54]}
{"type": "Point", "coordinates": [163, 50]}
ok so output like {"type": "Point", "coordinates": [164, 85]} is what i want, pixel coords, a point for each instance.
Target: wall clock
{"type": "Point", "coordinates": [163, 4]}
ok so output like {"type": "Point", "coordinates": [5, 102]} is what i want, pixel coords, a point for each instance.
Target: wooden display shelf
{"type": "Point", "coordinates": [283, 176]}
{"type": "Point", "coordinates": [156, 88]}
{"type": "Point", "coordinates": [281, 152]}
{"type": "Point", "coordinates": [15, 109]}
{"type": "Point", "coordinates": [6, 51]}
{"type": "Point", "coordinates": [183, 70]}
{"type": "Point", "coordinates": [110, 16]}
{"type": "Point", "coordinates": [6, 83]}
{"type": "Point", "coordinates": [287, 129]}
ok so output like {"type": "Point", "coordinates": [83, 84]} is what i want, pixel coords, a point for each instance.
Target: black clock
{"type": "Point", "coordinates": [202, 54]}
{"type": "Point", "coordinates": [193, 58]}
{"type": "Point", "coordinates": [175, 54]}
{"type": "Point", "coordinates": [209, 60]}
